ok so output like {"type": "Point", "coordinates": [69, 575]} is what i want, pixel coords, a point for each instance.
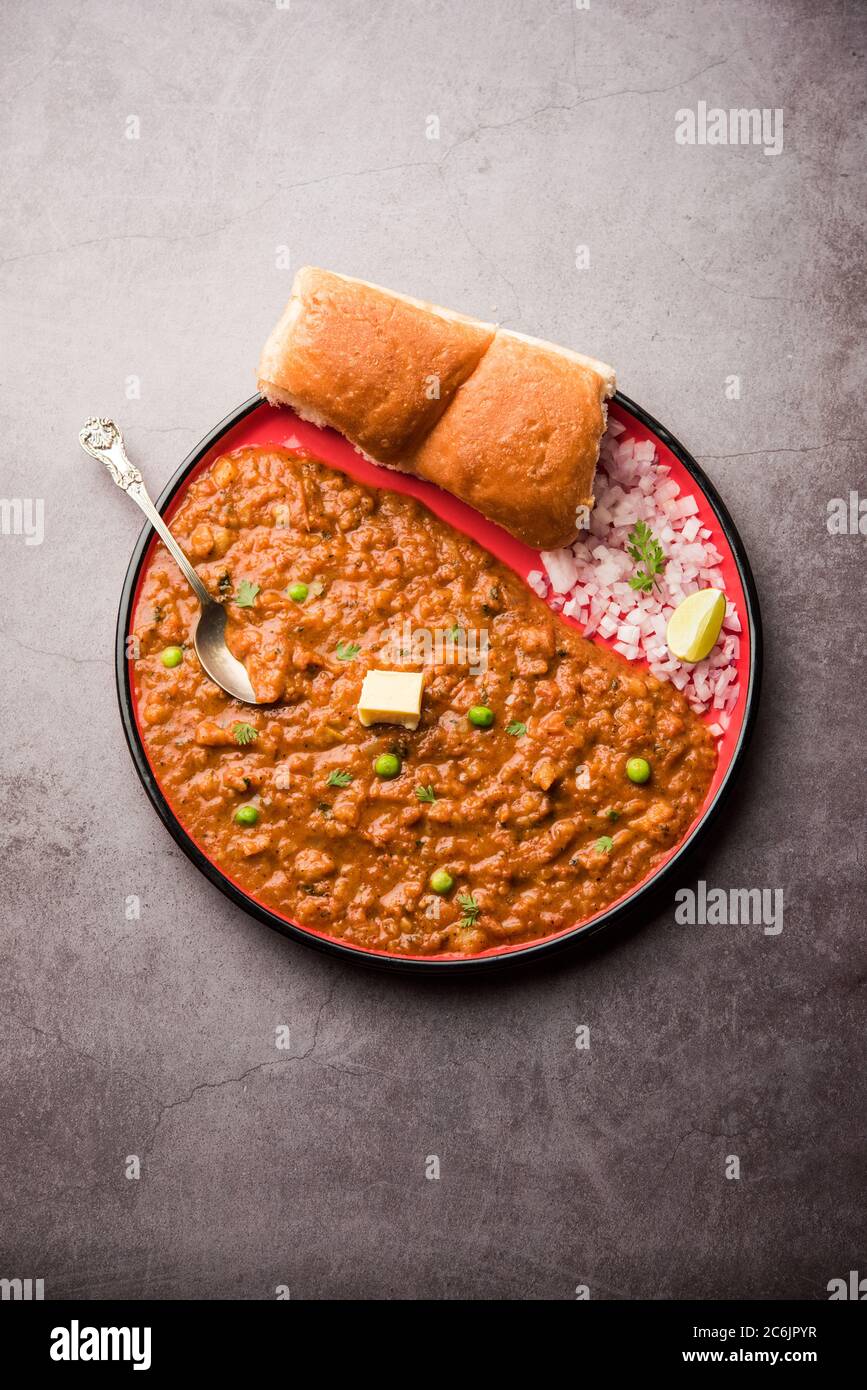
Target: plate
{"type": "Point", "coordinates": [257, 423]}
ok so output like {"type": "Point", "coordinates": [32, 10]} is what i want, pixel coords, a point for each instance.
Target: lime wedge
{"type": "Point", "coordinates": [694, 625]}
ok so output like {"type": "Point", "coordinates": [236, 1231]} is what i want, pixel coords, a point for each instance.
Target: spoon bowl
{"type": "Point", "coordinates": [223, 668]}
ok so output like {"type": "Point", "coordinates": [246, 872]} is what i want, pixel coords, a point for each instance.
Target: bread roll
{"type": "Point", "coordinates": [510, 424]}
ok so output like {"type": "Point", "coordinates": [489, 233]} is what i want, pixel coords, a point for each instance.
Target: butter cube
{"type": "Point", "coordinates": [391, 697]}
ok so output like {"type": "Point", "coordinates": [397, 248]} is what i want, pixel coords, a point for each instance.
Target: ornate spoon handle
{"type": "Point", "coordinates": [102, 439]}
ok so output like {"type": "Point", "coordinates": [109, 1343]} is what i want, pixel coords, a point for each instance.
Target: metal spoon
{"type": "Point", "coordinates": [103, 440]}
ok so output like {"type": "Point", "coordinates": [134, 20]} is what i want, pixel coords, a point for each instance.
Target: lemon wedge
{"type": "Point", "coordinates": [694, 626]}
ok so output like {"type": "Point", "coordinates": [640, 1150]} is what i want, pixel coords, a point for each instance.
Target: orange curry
{"type": "Point", "coordinates": [525, 821]}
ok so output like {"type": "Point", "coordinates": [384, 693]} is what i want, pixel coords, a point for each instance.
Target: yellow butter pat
{"type": "Point", "coordinates": [391, 697]}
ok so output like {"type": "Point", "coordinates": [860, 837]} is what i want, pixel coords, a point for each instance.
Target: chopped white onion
{"type": "Point", "coordinates": [589, 581]}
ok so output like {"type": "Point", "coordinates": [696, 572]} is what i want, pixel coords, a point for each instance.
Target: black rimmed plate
{"type": "Point", "coordinates": [255, 423]}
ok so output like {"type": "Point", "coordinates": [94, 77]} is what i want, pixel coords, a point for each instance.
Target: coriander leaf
{"type": "Point", "coordinates": [245, 733]}
{"type": "Point", "coordinates": [516, 729]}
{"type": "Point", "coordinates": [339, 779]}
{"type": "Point", "coordinates": [637, 538]}
{"type": "Point", "coordinates": [604, 844]}
{"type": "Point", "coordinates": [612, 814]}
{"type": "Point", "coordinates": [469, 908]}
{"type": "Point", "coordinates": [246, 595]}
{"type": "Point", "coordinates": [645, 550]}
{"type": "Point", "coordinates": [426, 794]}
{"type": "Point", "coordinates": [347, 650]}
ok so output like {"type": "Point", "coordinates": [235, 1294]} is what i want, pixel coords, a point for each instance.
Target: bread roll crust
{"type": "Point", "coordinates": [510, 424]}
{"type": "Point", "coordinates": [380, 368]}
{"type": "Point", "coordinates": [520, 441]}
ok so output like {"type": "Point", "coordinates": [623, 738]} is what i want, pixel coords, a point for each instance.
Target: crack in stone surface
{"type": "Point", "coordinates": [74, 1047]}
{"type": "Point", "coordinates": [181, 1101]}
{"type": "Point", "coordinates": [223, 226]}
{"type": "Point", "coordinates": [714, 284]}
{"type": "Point", "coordinates": [781, 449]}
{"type": "Point", "coordinates": [472, 244]}
{"type": "Point", "coordinates": [166, 1107]}
{"type": "Point", "coordinates": [553, 106]}
{"type": "Point", "coordinates": [482, 127]}
{"type": "Point", "coordinates": [59, 656]}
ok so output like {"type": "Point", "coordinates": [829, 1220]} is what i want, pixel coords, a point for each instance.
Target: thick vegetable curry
{"type": "Point", "coordinates": [507, 815]}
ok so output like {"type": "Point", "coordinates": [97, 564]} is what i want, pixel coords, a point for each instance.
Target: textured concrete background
{"type": "Point", "coordinates": [304, 126]}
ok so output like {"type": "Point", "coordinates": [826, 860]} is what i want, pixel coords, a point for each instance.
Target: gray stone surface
{"type": "Point", "coordinates": [157, 258]}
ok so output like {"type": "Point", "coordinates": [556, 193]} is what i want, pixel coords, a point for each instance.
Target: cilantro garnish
{"type": "Point", "coordinates": [645, 550]}
{"type": "Point", "coordinates": [339, 779]}
{"type": "Point", "coordinates": [469, 909]}
{"type": "Point", "coordinates": [246, 595]}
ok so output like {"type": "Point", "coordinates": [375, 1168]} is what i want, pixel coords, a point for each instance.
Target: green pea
{"type": "Point", "coordinates": [246, 815]}
{"type": "Point", "coordinates": [387, 765]}
{"type": "Point", "coordinates": [441, 881]}
{"type": "Point", "coordinates": [481, 716]}
{"type": "Point", "coordinates": [298, 592]}
{"type": "Point", "coordinates": [172, 656]}
{"type": "Point", "coordinates": [638, 769]}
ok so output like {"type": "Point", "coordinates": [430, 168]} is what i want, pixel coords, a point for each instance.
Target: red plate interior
{"type": "Point", "coordinates": [266, 425]}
